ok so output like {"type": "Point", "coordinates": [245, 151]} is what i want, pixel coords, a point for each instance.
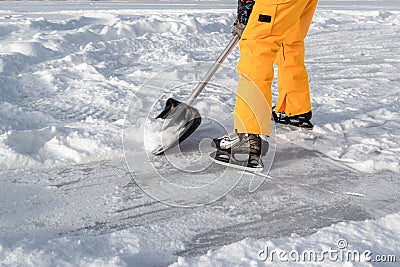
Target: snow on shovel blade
{"type": "Point", "coordinates": [181, 120]}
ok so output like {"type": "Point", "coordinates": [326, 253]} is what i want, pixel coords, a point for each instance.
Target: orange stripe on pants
{"type": "Point", "coordinates": [279, 36]}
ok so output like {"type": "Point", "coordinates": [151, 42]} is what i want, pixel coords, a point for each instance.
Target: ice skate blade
{"type": "Point", "coordinates": [236, 166]}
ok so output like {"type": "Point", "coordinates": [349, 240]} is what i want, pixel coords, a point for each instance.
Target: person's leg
{"type": "Point", "coordinates": [294, 91]}
{"type": "Point", "coordinates": [261, 40]}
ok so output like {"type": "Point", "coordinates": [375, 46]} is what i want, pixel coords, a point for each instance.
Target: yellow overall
{"type": "Point", "coordinates": [275, 33]}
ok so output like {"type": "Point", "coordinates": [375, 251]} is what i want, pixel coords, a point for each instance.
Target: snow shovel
{"type": "Point", "coordinates": [181, 119]}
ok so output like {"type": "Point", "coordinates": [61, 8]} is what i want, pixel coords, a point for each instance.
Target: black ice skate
{"type": "Point", "coordinates": [302, 120]}
{"type": "Point", "coordinates": [242, 151]}
{"type": "Point", "coordinates": [239, 142]}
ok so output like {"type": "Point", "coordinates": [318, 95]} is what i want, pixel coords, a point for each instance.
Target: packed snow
{"type": "Point", "coordinates": [78, 84]}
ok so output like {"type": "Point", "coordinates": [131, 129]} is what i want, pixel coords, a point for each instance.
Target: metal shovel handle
{"type": "Point", "coordinates": [200, 86]}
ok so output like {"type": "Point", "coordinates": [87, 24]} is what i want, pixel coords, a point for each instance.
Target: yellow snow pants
{"type": "Point", "coordinates": [275, 33]}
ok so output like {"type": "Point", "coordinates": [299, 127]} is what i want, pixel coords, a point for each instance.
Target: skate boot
{"type": "Point", "coordinates": [302, 120]}
{"type": "Point", "coordinates": [244, 153]}
{"type": "Point", "coordinates": [238, 142]}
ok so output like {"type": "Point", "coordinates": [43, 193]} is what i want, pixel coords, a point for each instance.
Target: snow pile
{"type": "Point", "coordinates": [67, 78]}
{"type": "Point", "coordinates": [356, 244]}
{"type": "Point", "coordinates": [59, 145]}
{"type": "Point", "coordinates": [117, 249]}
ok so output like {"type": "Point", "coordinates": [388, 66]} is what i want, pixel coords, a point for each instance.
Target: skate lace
{"type": "Point", "coordinates": [255, 145]}
{"type": "Point", "coordinates": [255, 150]}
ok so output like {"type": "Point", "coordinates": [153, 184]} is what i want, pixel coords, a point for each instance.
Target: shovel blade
{"type": "Point", "coordinates": [177, 115]}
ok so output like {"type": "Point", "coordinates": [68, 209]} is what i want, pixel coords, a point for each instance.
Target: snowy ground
{"type": "Point", "coordinates": [71, 71]}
